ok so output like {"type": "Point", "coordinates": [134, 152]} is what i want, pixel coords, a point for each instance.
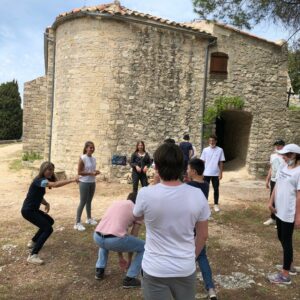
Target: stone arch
{"type": "Point", "coordinates": [233, 131]}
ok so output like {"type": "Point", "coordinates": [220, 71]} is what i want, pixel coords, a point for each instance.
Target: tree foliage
{"type": "Point", "coordinates": [10, 111]}
{"type": "Point", "coordinates": [294, 67]}
{"type": "Point", "coordinates": [247, 13]}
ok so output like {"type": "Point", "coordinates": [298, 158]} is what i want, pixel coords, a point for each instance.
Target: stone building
{"type": "Point", "coordinates": [115, 76]}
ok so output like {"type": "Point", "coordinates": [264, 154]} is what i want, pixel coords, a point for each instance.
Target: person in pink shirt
{"type": "Point", "coordinates": [111, 235]}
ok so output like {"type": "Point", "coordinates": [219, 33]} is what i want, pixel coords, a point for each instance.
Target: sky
{"type": "Point", "coordinates": [23, 22]}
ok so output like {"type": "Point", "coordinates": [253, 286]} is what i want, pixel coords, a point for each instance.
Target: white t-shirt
{"type": "Point", "coordinates": [170, 214]}
{"type": "Point", "coordinates": [89, 166]}
{"type": "Point", "coordinates": [212, 157]}
{"type": "Point", "coordinates": [287, 185]}
{"type": "Point", "coordinates": [276, 161]}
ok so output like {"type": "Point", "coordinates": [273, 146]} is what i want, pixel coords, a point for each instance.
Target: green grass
{"type": "Point", "coordinates": [16, 165]}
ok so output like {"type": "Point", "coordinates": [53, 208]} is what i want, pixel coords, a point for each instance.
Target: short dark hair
{"type": "Point", "coordinates": [168, 159]}
{"type": "Point", "coordinates": [186, 137]}
{"type": "Point", "coordinates": [197, 165]}
{"type": "Point", "coordinates": [169, 140]}
{"type": "Point", "coordinates": [213, 136]}
{"type": "Point", "coordinates": [279, 142]}
{"type": "Point", "coordinates": [132, 197]}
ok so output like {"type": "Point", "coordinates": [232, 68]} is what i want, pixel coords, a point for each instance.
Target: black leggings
{"type": "Point", "coordinates": [136, 177]}
{"type": "Point", "coordinates": [272, 185]}
{"type": "Point", "coordinates": [285, 235]}
{"type": "Point", "coordinates": [215, 183]}
{"type": "Point", "coordinates": [44, 222]}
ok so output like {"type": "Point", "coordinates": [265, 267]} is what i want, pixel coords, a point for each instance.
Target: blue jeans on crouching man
{"type": "Point", "coordinates": [128, 243]}
{"type": "Point", "coordinates": [205, 269]}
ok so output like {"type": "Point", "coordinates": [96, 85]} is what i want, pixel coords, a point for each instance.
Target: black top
{"type": "Point", "coordinates": [141, 161]}
{"type": "Point", "coordinates": [185, 148]}
{"type": "Point", "coordinates": [204, 186]}
{"type": "Point", "coordinates": [35, 194]}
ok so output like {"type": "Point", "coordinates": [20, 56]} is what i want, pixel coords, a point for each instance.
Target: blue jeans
{"type": "Point", "coordinates": [205, 269]}
{"type": "Point", "coordinates": [128, 243]}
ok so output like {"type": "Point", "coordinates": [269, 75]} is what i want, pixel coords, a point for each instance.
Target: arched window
{"type": "Point", "coordinates": [218, 63]}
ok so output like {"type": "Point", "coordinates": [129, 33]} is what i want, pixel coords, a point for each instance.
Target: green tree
{"type": "Point", "coordinates": [294, 67]}
{"type": "Point", "coordinates": [10, 111]}
{"type": "Point", "coordinates": [247, 13]}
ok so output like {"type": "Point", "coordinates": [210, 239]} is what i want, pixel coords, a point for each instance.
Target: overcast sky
{"type": "Point", "coordinates": [23, 22]}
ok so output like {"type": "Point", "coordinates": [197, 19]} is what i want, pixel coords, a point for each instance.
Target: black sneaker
{"type": "Point", "coordinates": [129, 282]}
{"type": "Point", "coordinates": [99, 273]}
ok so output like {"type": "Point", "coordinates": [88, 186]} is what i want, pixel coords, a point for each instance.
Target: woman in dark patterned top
{"type": "Point", "coordinates": [31, 208]}
{"type": "Point", "coordinates": [140, 162]}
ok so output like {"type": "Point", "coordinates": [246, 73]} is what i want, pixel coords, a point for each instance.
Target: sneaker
{"type": "Point", "coordinates": [278, 278]}
{"type": "Point", "coordinates": [130, 282]}
{"type": "Point", "coordinates": [99, 273]}
{"type": "Point", "coordinates": [79, 227]}
{"type": "Point", "coordinates": [91, 222]}
{"type": "Point", "coordinates": [216, 208]}
{"type": "Point", "coordinates": [34, 259]}
{"type": "Point", "coordinates": [212, 294]}
{"type": "Point", "coordinates": [269, 222]}
{"type": "Point", "coordinates": [31, 244]}
{"type": "Point", "coordinates": [293, 270]}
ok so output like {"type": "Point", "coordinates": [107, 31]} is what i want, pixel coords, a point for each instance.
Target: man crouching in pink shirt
{"type": "Point", "coordinates": [111, 235]}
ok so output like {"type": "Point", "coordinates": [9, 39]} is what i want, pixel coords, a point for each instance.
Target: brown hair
{"type": "Point", "coordinates": [136, 147]}
{"type": "Point", "coordinates": [86, 145]}
{"type": "Point", "coordinates": [46, 165]}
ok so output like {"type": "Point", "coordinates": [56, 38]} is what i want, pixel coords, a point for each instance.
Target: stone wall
{"type": "Point", "coordinates": [256, 73]}
{"type": "Point", "coordinates": [117, 83]}
{"type": "Point", "coordinates": [34, 115]}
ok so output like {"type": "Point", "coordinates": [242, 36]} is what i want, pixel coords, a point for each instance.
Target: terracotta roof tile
{"type": "Point", "coordinates": [116, 9]}
{"type": "Point", "coordinates": [197, 24]}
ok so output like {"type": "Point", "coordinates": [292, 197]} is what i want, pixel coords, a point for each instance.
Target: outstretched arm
{"type": "Point", "coordinates": [201, 236]}
{"type": "Point", "coordinates": [60, 183]}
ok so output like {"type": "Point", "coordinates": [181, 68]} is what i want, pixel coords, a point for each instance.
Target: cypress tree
{"type": "Point", "coordinates": [10, 111]}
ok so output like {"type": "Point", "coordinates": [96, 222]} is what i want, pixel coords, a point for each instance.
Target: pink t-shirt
{"type": "Point", "coordinates": [117, 218]}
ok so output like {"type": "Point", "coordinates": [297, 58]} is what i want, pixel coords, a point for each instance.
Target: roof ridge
{"type": "Point", "coordinates": [115, 8]}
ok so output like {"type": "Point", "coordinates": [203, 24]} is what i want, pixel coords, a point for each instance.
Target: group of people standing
{"type": "Point", "coordinates": [175, 212]}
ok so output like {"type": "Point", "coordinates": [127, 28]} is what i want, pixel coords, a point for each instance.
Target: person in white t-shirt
{"type": "Point", "coordinates": [286, 196]}
{"type": "Point", "coordinates": [171, 210]}
{"type": "Point", "coordinates": [276, 161]}
{"type": "Point", "coordinates": [213, 157]}
{"type": "Point", "coordinates": [87, 184]}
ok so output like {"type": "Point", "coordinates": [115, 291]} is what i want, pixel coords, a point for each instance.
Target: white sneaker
{"type": "Point", "coordinates": [34, 259]}
{"type": "Point", "coordinates": [91, 222]}
{"type": "Point", "coordinates": [79, 227]}
{"type": "Point", "coordinates": [212, 294]}
{"type": "Point", "coordinates": [216, 208]}
{"type": "Point", "coordinates": [293, 271]}
{"type": "Point", "coordinates": [269, 222]}
{"type": "Point", "coordinates": [30, 244]}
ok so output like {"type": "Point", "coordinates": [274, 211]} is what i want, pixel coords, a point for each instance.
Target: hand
{"type": "Point", "coordinates": [138, 169]}
{"type": "Point", "coordinates": [267, 184]}
{"type": "Point", "coordinates": [128, 264]}
{"type": "Point", "coordinates": [272, 208]}
{"type": "Point", "coordinates": [297, 223]}
{"type": "Point", "coordinates": [123, 264]}
{"type": "Point", "coordinates": [97, 172]}
{"type": "Point", "coordinates": [220, 176]}
{"type": "Point", "coordinates": [145, 169]}
{"type": "Point", "coordinates": [76, 179]}
{"type": "Point", "coordinates": [47, 207]}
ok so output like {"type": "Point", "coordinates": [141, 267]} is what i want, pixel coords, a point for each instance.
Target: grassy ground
{"type": "Point", "coordinates": [238, 243]}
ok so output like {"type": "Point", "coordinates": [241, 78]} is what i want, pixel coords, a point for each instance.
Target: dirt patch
{"type": "Point", "coordinates": [241, 250]}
